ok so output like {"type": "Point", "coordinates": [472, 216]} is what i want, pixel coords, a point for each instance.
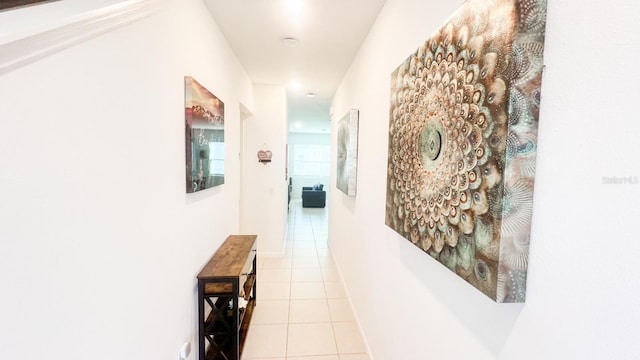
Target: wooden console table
{"type": "Point", "coordinates": [226, 298]}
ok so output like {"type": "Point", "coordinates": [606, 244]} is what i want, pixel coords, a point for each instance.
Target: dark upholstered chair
{"type": "Point", "coordinates": [314, 196]}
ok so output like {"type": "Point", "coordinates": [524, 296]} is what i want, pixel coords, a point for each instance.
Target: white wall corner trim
{"type": "Point", "coordinates": [20, 52]}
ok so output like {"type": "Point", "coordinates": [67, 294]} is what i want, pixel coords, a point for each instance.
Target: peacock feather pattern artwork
{"type": "Point", "coordinates": [347, 151]}
{"type": "Point", "coordinates": [463, 141]}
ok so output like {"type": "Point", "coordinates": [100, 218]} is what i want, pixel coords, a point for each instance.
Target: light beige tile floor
{"type": "Point", "coordinates": [302, 310]}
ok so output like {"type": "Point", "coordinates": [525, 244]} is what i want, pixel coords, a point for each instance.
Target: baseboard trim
{"type": "Point", "coordinates": [353, 309]}
{"type": "Point", "coordinates": [20, 52]}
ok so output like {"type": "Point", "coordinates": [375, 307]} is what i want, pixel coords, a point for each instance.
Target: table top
{"type": "Point", "coordinates": [230, 258]}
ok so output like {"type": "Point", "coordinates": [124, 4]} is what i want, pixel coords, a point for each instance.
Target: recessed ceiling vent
{"type": "Point", "coordinates": [290, 42]}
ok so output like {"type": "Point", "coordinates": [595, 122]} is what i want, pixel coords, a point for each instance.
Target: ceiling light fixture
{"type": "Point", "coordinates": [290, 42]}
{"type": "Point", "coordinates": [294, 6]}
{"type": "Point", "coordinates": [311, 95]}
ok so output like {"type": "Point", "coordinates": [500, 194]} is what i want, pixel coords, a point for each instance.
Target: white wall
{"type": "Point", "coordinates": [265, 185]}
{"type": "Point", "coordinates": [28, 20]}
{"type": "Point", "coordinates": [583, 281]}
{"type": "Point", "coordinates": [99, 243]}
{"type": "Point", "coordinates": [300, 181]}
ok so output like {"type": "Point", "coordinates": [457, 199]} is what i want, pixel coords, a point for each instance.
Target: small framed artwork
{"type": "Point", "coordinates": [348, 153]}
{"type": "Point", "coordinates": [204, 137]}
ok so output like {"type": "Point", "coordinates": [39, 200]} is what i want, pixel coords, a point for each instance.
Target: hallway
{"type": "Point", "coordinates": [302, 311]}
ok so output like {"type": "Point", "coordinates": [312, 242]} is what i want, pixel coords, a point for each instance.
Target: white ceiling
{"type": "Point", "coordinates": [329, 34]}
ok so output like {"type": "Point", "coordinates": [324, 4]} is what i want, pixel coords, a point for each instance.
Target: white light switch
{"type": "Point", "coordinates": [185, 350]}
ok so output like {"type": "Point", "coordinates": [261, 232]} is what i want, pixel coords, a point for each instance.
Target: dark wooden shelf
{"type": "Point", "coordinates": [248, 285]}
{"type": "Point", "coordinates": [215, 314]}
{"type": "Point", "coordinates": [229, 276]}
{"type": "Point", "coordinates": [244, 325]}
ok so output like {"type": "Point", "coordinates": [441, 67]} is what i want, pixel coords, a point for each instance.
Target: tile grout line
{"type": "Point", "coordinates": [300, 226]}
{"type": "Point", "coordinates": [326, 297]}
{"type": "Point", "coordinates": [292, 240]}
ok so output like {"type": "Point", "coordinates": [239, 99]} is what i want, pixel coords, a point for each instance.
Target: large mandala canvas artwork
{"type": "Point", "coordinates": [347, 153]}
{"type": "Point", "coordinates": [463, 141]}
